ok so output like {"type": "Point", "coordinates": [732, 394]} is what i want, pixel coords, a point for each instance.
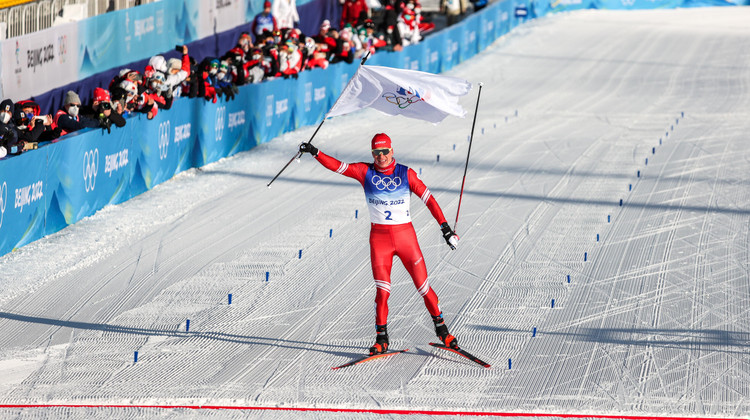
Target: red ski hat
{"type": "Point", "coordinates": [101, 95]}
{"type": "Point", "coordinates": [381, 141]}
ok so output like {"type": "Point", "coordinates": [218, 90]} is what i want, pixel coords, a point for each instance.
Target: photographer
{"type": "Point", "coordinates": [103, 110]}
{"type": "Point", "coordinates": [68, 119]}
{"type": "Point", "coordinates": [32, 127]}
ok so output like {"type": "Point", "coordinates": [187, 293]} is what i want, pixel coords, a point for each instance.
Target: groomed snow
{"type": "Point", "coordinates": [655, 321]}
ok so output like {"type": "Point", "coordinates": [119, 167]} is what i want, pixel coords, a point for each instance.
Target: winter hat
{"type": "Point", "coordinates": [174, 63]}
{"type": "Point", "coordinates": [101, 95]}
{"type": "Point", "coordinates": [266, 4]}
{"type": "Point", "coordinates": [381, 141]}
{"type": "Point", "coordinates": [72, 98]}
{"type": "Point", "coordinates": [326, 24]}
{"type": "Point", "coordinates": [7, 106]}
{"type": "Point", "coordinates": [158, 63]}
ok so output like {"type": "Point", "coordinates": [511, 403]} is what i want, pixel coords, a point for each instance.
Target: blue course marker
{"type": "Point", "coordinates": [229, 298]}
{"type": "Point", "coordinates": [135, 357]}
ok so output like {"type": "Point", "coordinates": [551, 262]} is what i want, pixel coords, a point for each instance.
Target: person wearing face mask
{"type": "Point", "coordinates": [32, 127]}
{"type": "Point", "coordinates": [388, 187]}
{"type": "Point", "coordinates": [9, 141]}
{"type": "Point", "coordinates": [68, 119]}
{"type": "Point", "coordinates": [256, 68]}
{"type": "Point", "coordinates": [408, 27]}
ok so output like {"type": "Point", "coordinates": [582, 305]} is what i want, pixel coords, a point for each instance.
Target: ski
{"type": "Point", "coordinates": [462, 353]}
{"type": "Point", "coordinates": [368, 358]}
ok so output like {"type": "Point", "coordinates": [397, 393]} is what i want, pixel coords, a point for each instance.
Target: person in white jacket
{"type": "Point", "coordinates": [285, 12]}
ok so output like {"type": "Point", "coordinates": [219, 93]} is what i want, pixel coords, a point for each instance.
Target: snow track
{"type": "Point", "coordinates": [579, 111]}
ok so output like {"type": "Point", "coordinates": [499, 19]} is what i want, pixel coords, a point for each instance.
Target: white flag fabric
{"type": "Point", "coordinates": [414, 94]}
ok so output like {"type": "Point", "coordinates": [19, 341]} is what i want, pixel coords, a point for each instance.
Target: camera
{"type": "Point", "coordinates": [40, 118]}
{"type": "Point", "coordinates": [178, 48]}
{"type": "Point", "coordinates": [106, 105]}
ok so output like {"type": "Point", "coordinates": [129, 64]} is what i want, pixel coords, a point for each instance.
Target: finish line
{"type": "Point", "coordinates": [366, 410]}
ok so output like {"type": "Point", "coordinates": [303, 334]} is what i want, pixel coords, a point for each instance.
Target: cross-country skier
{"type": "Point", "coordinates": [388, 187]}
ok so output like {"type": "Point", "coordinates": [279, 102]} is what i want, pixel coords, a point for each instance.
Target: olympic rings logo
{"type": "Point", "coordinates": [90, 169]}
{"type": "Point", "coordinates": [221, 113]}
{"type": "Point", "coordinates": [3, 199]}
{"type": "Point", "coordinates": [401, 101]}
{"type": "Point", "coordinates": [385, 183]}
{"type": "Point", "coordinates": [164, 129]}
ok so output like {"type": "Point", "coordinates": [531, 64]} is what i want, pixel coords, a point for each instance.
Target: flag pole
{"type": "Point", "coordinates": [299, 154]}
{"type": "Point", "coordinates": [466, 167]}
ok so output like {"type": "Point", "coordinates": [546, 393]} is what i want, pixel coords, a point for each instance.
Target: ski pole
{"type": "Point", "coordinates": [466, 167]}
{"type": "Point", "coordinates": [299, 154]}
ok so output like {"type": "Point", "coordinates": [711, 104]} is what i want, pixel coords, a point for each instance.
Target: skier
{"type": "Point", "coordinates": [388, 187]}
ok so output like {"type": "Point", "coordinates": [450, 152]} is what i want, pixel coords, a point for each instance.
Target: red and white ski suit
{"type": "Point", "coordinates": [391, 233]}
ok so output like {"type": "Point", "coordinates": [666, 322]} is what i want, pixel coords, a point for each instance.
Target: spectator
{"type": "Point", "coordinates": [68, 119]}
{"type": "Point", "coordinates": [424, 26]}
{"type": "Point", "coordinates": [408, 27]}
{"type": "Point", "coordinates": [157, 87]}
{"type": "Point", "coordinates": [256, 68]}
{"type": "Point", "coordinates": [290, 60]}
{"type": "Point", "coordinates": [369, 40]}
{"type": "Point", "coordinates": [453, 10]}
{"type": "Point", "coordinates": [102, 110]}
{"type": "Point", "coordinates": [316, 57]}
{"type": "Point", "coordinates": [326, 42]}
{"type": "Point", "coordinates": [174, 73]}
{"type": "Point", "coordinates": [32, 127]}
{"type": "Point", "coordinates": [209, 68]}
{"type": "Point", "coordinates": [9, 142]}
{"type": "Point", "coordinates": [479, 4]}
{"type": "Point", "coordinates": [264, 22]}
{"type": "Point", "coordinates": [285, 12]}
{"type": "Point", "coordinates": [354, 12]}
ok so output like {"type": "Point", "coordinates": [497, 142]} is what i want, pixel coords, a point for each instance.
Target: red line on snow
{"type": "Point", "coordinates": [367, 410]}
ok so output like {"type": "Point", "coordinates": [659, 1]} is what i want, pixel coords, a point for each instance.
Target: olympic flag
{"type": "Point", "coordinates": [413, 94]}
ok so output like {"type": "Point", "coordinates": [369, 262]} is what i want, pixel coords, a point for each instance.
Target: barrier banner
{"type": "Point", "coordinates": [22, 200]}
{"type": "Point", "coordinates": [223, 131]}
{"type": "Point", "coordinates": [39, 62]}
{"type": "Point", "coordinates": [113, 39]}
{"type": "Point", "coordinates": [313, 98]}
{"type": "Point", "coordinates": [219, 15]}
{"type": "Point", "coordinates": [85, 173]}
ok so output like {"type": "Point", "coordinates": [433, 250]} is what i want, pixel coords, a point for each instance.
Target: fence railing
{"type": "Point", "coordinates": [35, 16]}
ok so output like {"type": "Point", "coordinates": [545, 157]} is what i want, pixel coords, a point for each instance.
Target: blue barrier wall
{"type": "Point", "coordinates": [45, 190]}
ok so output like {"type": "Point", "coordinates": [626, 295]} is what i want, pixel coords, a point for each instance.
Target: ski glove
{"type": "Point", "coordinates": [308, 148]}
{"type": "Point", "coordinates": [450, 236]}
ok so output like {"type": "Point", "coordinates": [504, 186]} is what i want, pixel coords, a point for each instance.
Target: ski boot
{"type": "Point", "coordinates": [381, 341]}
{"type": "Point", "coordinates": [442, 332]}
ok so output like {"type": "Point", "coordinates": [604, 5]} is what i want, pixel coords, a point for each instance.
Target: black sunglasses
{"type": "Point", "coordinates": [378, 152]}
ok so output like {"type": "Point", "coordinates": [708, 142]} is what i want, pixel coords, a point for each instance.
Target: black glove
{"type": "Point", "coordinates": [308, 148]}
{"type": "Point", "coordinates": [450, 236]}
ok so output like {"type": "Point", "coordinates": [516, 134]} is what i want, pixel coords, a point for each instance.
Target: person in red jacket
{"type": "Point", "coordinates": [388, 187]}
{"type": "Point", "coordinates": [354, 12]}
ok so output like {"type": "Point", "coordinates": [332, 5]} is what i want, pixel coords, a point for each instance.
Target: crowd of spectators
{"type": "Point", "coordinates": [276, 47]}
